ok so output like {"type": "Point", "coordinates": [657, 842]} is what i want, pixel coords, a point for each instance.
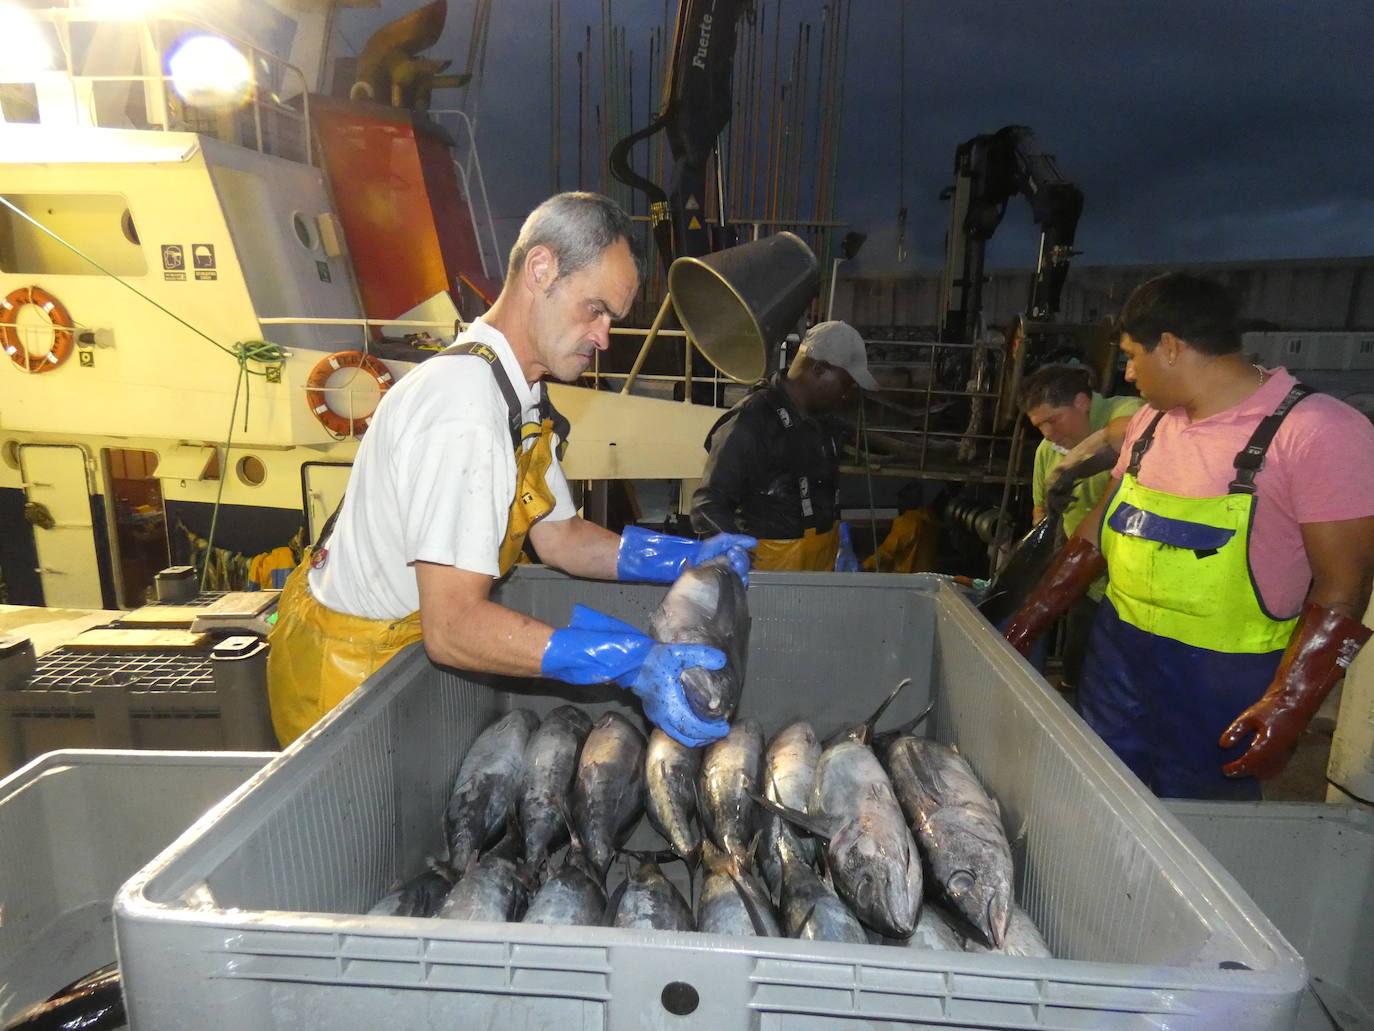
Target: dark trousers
{"type": "Point", "coordinates": [1161, 705]}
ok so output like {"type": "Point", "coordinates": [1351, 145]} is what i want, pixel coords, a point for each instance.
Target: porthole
{"type": "Point", "coordinates": [126, 223]}
{"type": "Point", "coordinates": [305, 232]}
{"type": "Point", "coordinates": [251, 471]}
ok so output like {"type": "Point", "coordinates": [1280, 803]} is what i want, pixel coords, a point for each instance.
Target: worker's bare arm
{"type": "Point", "coordinates": [1342, 557]}
{"type": "Point", "coordinates": [1115, 431]}
{"type": "Point", "coordinates": [464, 628]}
{"type": "Point", "coordinates": [577, 547]}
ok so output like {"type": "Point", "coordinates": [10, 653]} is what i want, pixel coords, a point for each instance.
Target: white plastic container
{"type": "Point", "coordinates": [73, 825]}
{"type": "Point", "coordinates": [251, 920]}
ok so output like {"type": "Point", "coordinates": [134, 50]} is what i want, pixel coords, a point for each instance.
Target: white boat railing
{"type": "Point", "coordinates": [69, 98]}
{"type": "Point", "coordinates": [442, 333]}
{"type": "Point", "coordinates": [463, 131]}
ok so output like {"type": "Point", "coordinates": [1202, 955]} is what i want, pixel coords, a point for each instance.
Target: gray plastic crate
{"type": "Point", "coordinates": [247, 921]}
{"type": "Point", "coordinates": [209, 699]}
{"type": "Point", "coordinates": [1310, 866]}
{"type": "Point", "coordinates": [73, 825]}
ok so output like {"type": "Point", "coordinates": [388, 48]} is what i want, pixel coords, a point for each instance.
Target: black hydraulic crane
{"type": "Point", "coordinates": [696, 109]}
{"type": "Point", "coordinates": [988, 171]}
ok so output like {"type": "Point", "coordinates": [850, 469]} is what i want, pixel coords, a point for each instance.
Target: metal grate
{"type": "Point", "coordinates": [72, 670]}
{"type": "Point", "coordinates": [203, 598]}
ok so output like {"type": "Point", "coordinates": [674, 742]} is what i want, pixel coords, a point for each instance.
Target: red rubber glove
{"type": "Point", "coordinates": [1323, 644]}
{"type": "Point", "coordinates": [1070, 575]}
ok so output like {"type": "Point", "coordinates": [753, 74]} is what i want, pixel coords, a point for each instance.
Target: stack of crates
{"type": "Point", "coordinates": [255, 918]}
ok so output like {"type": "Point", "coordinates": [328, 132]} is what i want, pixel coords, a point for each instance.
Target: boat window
{"type": "Point", "coordinates": [91, 228]}
{"type": "Point", "coordinates": [251, 471]}
{"type": "Point", "coordinates": [304, 233]}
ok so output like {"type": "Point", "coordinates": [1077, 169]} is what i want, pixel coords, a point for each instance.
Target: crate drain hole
{"type": "Point", "coordinates": [680, 998]}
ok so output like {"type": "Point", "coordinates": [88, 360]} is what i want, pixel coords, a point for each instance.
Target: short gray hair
{"type": "Point", "coordinates": [578, 228]}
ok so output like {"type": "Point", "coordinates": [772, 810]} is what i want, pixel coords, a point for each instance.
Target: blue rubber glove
{"type": "Point", "coordinates": [596, 648]}
{"type": "Point", "coordinates": [660, 557]}
{"type": "Point", "coordinates": [659, 687]}
{"type": "Point", "coordinates": [845, 559]}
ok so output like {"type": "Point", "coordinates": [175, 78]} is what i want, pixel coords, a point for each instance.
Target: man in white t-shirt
{"type": "Point", "coordinates": [459, 466]}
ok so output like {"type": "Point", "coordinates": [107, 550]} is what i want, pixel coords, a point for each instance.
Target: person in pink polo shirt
{"type": "Point", "coordinates": [1238, 531]}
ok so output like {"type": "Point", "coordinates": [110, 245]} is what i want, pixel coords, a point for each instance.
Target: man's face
{"type": "Point", "coordinates": [1065, 425]}
{"type": "Point", "coordinates": [571, 321]}
{"type": "Point", "coordinates": [834, 388]}
{"type": "Point", "coordinates": [1149, 371]}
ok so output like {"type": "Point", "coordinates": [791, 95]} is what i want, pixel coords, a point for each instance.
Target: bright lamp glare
{"type": "Point", "coordinates": [25, 52]}
{"type": "Point", "coordinates": [208, 71]}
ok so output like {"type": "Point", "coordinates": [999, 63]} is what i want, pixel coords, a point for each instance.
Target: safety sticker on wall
{"type": "Point", "coordinates": [173, 262]}
{"type": "Point", "coordinates": [203, 259]}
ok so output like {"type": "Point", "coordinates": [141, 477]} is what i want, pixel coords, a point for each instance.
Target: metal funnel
{"type": "Point", "coordinates": [737, 303]}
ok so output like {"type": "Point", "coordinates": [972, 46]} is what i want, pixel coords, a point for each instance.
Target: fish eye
{"type": "Point", "coordinates": [960, 882]}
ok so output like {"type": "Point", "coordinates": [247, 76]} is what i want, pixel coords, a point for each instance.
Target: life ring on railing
{"type": "Point", "coordinates": [63, 340]}
{"type": "Point", "coordinates": [342, 425]}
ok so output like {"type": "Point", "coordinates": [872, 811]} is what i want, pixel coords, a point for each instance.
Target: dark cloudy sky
{"type": "Point", "coordinates": [1198, 130]}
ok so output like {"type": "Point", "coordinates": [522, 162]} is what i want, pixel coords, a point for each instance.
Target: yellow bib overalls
{"type": "Point", "coordinates": [318, 656]}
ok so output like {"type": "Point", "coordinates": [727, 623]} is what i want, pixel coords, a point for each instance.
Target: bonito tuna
{"type": "Point", "coordinates": [789, 769]}
{"type": "Point", "coordinates": [648, 900]}
{"type": "Point", "coordinates": [729, 781]}
{"type": "Point", "coordinates": [869, 849]}
{"type": "Point", "coordinates": [571, 896]}
{"type": "Point", "coordinates": [959, 829]}
{"type": "Point", "coordinates": [550, 765]}
{"type": "Point", "coordinates": [707, 604]}
{"type": "Point", "coordinates": [487, 787]}
{"type": "Point", "coordinates": [670, 771]}
{"type": "Point", "coordinates": [608, 793]}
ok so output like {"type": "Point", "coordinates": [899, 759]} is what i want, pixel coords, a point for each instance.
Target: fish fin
{"type": "Point", "coordinates": [613, 903]}
{"type": "Point", "coordinates": [823, 863]}
{"type": "Point", "coordinates": [803, 820]}
{"type": "Point", "coordinates": [751, 854]}
{"type": "Point", "coordinates": [658, 856]}
{"type": "Point", "coordinates": [438, 866]}
{"type": "Point", "coordinates": [750, 905]}
{"type": "Point", "coordinates": [866, 734]}
{"type": "Point", "coordinates": [888, 736]}
{"type": "Point", "coordinates": [574, 840]}
{"type": "Point", "coordinates": [801, 925]}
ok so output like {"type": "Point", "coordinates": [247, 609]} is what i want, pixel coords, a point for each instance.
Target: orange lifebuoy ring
{"type": "Point", "coordinates": [341, 425]}
{"type": "Point", "coordinates": [63, 340]}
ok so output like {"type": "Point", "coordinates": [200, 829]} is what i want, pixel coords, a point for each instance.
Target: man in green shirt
{"type": "Point", "coordinates": [1060, 402]}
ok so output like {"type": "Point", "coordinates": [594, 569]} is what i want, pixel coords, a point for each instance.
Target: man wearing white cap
{"type": "Point", "coordinates": [773, 470]}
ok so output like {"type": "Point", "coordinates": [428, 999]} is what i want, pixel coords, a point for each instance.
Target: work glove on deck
{"type": "Point", "coordinates": [595, 648]}
{"type": "Point", "coordinates": [1070, 575]}
{"type": "Point", "coordinates": [660, 557]}
{"type": "Point", "coordinates": [1323, 644]}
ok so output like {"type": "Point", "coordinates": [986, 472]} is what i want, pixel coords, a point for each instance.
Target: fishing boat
{"type": "Point", "coordinates": [210, 271]}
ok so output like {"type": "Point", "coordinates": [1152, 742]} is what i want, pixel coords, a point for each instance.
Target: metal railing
{"type": "Point", "coordinates": [469, 168]}
{"type": "Point", "coordinates": [162, 110]}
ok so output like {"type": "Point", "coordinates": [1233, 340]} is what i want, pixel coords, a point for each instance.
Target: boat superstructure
{"type": "Point", "coordinates": [201, 272]}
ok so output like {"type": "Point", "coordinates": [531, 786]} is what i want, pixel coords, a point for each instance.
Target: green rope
{"type": "Point", "coordinates": [868, 476]}
{"type": "Point", "coordinates": [259, 351]}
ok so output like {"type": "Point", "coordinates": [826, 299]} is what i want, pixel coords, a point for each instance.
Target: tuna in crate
{"type": "Point", "coordinates": [256, 919]}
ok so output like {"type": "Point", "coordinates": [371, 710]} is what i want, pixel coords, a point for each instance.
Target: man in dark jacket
{"type": "Point", "coordinates": [773, 469]}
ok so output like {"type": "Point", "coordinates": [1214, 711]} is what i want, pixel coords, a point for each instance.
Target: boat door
{"type": "Point", "coordinates": [57, 487]}
{"type": "Point", "coordinates": [322, 487]}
